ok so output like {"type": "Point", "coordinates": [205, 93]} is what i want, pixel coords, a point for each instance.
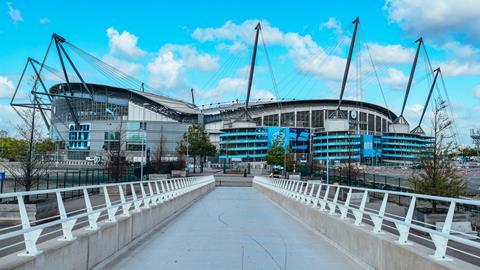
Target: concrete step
{"type": "Point", "coordinates": [233, 181]}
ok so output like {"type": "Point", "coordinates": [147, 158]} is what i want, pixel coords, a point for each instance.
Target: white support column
{"type": "Point", "coordinates": [31, 237]}
{"type": "Point", "coordinates": [317, 196]}
{"type": "Point", "coordinates": [125, 205]}
{"type": "Point", "coordinates": [378, 219]}
{"type": "Point", "coordinates": [310, 195]}
{"type": "Point", "coordinates": [404, 228]}
{"type": "Point", "coordinates": [92, 217]}
{"type": "Point", "coordinates": [67, 225]}
{"type": "Point", "coordinates": [440, 241]}
{"type": "Point", "coordinates": [164, 191]}
{"type": "Point", "coordinates": [159, 193]}
{"type": "Point", "coordinates": [344, 208]}
{"type": "Point", "coordinates": [152, 194]}
{"type": "Point", "coordinates": [333, 205]}
{"type": "Point", "coordinates": [145, 198]}
{"type": "Point", "coordinates": [136, 201]}
{"type": "Point", "coordinates": [358, 213]}
{"type": "Point", "coordinates": [323, 203]}
{"type": "Point", "coordinates": [111, 210]}
{"type": "Point", "coordinates": [305, 193]}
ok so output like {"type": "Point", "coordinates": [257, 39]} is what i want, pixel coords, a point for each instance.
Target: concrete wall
{"type": "Point", "coordinates": [371, 250]}
{"type": "Point", "coordinates": [92, 249]}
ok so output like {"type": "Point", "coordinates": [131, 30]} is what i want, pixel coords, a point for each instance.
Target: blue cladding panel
{"type": "Point", "coordinates": [367, 145]}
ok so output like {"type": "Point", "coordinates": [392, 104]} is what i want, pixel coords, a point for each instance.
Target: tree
{"type": "Point", "coordinates": [195, 143]}
{"type": "Point", "coordinates": [438, 175]}
{"type": "Point", "coordinates": [117, 164]}
{"type": "Point", "coordinates": [277, 155]}
{"type": "Point", "coordinates": [31, 165]}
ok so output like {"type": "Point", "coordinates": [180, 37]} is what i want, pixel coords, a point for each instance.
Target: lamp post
{"type": "Point", "coordinates": [328, 163]}
{"type": "Point", "coordinates": [188, 161]}
{"type": "Point", "coordinates": [144, 141]}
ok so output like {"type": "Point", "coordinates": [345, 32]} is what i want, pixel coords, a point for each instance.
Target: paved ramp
{"type": "Point", "coordinates": [233, 228]}
{"type": "Point", "coordinates": [225, 180]}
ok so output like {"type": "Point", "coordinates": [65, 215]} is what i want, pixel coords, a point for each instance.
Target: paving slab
{"type": "Point", "coordinates": [234, 228]}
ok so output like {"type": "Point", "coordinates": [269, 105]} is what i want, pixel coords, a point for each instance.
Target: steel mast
{"type": "Point", "coordinates": [252, 68]}
{"type": "Point", "coordinates": [418, 129]}
{"type": "Point", "coordinates": [347, 66]}
{"type": "Point", "coordinates": [400, 119]}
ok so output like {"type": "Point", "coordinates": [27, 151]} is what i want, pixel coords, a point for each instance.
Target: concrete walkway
{"type": "Point", "coordinates": [233, 228]}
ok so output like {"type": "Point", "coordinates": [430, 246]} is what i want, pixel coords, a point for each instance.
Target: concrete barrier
{"type": "Point", "coordinates": [93, 249]}
{"type": "Point", "coordinates": [376, 251]}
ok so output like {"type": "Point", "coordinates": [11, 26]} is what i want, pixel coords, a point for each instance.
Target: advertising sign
{"type": "Point", "coordinates": [367, 145]}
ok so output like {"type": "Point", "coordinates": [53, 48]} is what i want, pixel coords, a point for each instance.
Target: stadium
{"type": "Point", "coordinates": [139, 121]}
{"type": "Point", "coordinates": [95, 119]}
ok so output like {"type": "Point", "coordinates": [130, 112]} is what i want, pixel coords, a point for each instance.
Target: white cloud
{"type": "Point", "coordinates": [233, 87]}
{"type": "Point", "coordinates": [395, 78]}
{"type": "Point", "coordinates": [44, 21]}
{"type": "Point", "coordinates": [460, 68]}
{"type": "Point", "coordinates": [6, 87]}
{"type": "Point", "coordinates": [165, 70]}
{"type": "Point", "coordinates": [424, 17]}
{"type": "Point", "coordinates": [308, 56]}
{"type": "Point", "coordinates": [126, 67]}
{"type": "Point", "coordinates": [124, 43]}
{"type": "Point", "coordinates": [332, 24]}
{"type": "Point", "coordinates": [239, 32]}
{"type": "Point", "coordinates": [8, 118]}
{"type": "Point", "coordinates": [234, 47]}
{"type": "Point", "coordinates": [461, 51]}
{"type": "Point", "coordinates": [476, 91]}
{"type": "Point", "coordinates": [390, 54]}
{"type": "Point", "coordinates": [173, 60]}
{"type": "Point", "coordinates": [14, 13]}
{"type": "Point", "coordinates": [225, 87]}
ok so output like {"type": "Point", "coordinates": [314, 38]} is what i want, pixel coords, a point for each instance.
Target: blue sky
{"type": "Point", "coordinates": [177, 45]}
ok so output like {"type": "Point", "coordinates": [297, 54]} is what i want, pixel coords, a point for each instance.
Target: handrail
{"type": "Point", "coordinates": [311, 194]}
{"type": "Point", "coordinates": [152, 192]}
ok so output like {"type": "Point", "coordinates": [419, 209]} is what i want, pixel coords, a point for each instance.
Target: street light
{"type": "Point", "coordinates": [328, 162]}
{"type": "Point", "coordinates": [144, 141]}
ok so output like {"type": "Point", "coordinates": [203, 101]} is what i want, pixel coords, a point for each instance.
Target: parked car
{"type": "Point", "coordinates": [94, 159]}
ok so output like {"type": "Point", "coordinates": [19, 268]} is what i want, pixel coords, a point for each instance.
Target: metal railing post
{"type": "Point", "coordinates": [92, 217]}
{"type": "Point", "coordinates": [67, 225]}
{"type": "Point", "coordinates": [30, 238]}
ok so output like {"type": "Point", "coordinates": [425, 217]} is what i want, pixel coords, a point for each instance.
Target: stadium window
{"type": "Point", "coordinates": [363, 121]}
{"type": "Point", "coordinates": [378, 124]}
{"type": "Point", "coordinates": [288, 119]}
{"type": "Point", "coordinates": [303, 119]}
{"type": "Point", "coordinates": [371, 122]}
{"type": "Point", "coordinates": [384, 125]}
{"type": "Point", "coordinates": [317, 118]}
{"type": "Point", "coordinates": [270, 120]}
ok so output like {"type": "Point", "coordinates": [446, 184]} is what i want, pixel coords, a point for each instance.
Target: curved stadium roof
{"type": "Point", "coordinates": [170, 103]}
{"type": "Point", "coordinates": [183, 107]}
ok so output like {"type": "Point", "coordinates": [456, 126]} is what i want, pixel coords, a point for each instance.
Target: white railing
{"type": "Point", "coordinates": [325, 197]}
{"type": "Point", "coordinates": [152, 193]}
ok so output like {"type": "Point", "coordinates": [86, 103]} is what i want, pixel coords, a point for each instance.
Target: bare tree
{"type": "Point", "coordinates": [117, 165]}
{"type": "Point", "coordinates": [438, 175]}
{"type": "Point", "coordinates": [32, 165]}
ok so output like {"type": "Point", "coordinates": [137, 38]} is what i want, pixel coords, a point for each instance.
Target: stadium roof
{"type": "Point", "coordinates": [170, 103]}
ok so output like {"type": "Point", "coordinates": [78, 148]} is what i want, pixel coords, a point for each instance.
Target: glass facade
{"type": "Point", "coordinates": [303, 119]}
{"type": "Point", "coordinates": [270, 120]}
{"type": "Point", "coordinates": [88, 110]}
{"type": "Point", "coordinates": [318, 119]}
{"type": "Point", "coordinates": [288, 119]}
